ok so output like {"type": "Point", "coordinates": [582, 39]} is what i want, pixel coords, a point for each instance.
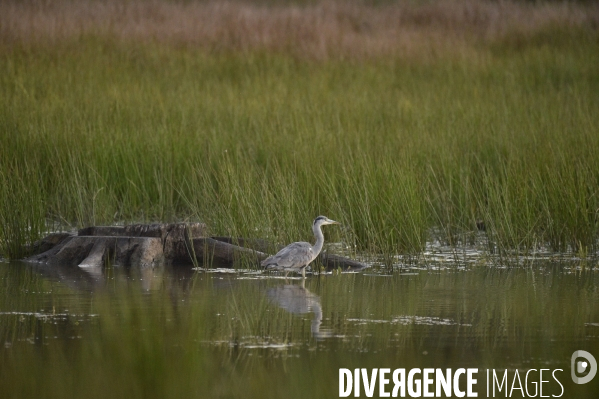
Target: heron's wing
{"type": "Point", "coordinates": [293, 255]}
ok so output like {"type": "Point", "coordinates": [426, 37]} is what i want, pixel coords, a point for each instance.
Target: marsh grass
{"type": "Point", "coordinates": [22, 219]}
{"type": "Point", "coordinates": [99, 128]}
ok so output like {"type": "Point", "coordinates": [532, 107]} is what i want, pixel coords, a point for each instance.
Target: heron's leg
{"type": "Point", "coordinates": [304, 272]}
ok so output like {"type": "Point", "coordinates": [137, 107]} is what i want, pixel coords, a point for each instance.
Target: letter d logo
{"type": "Point", "coordinates": [581, 366]}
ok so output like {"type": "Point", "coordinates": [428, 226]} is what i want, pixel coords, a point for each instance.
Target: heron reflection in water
{"type": "Point", "coordinates": [297, 299]}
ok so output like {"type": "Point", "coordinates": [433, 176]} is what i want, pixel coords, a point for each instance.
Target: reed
{"type": "Point", "coordinates": [99, 128]}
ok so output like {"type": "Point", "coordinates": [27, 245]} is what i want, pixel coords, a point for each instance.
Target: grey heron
{"type": "Point", "coordinates": [298, 255]}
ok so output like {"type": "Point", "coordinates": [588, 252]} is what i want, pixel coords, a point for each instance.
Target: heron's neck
{"type": "Point", "coordinates": [319, 239]}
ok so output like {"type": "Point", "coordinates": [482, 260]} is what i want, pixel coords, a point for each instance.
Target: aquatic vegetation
{"type": "Point", "coordinates": [98, 127]}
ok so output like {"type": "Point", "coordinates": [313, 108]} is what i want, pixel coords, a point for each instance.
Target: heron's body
{"type": "Point", "coordinates": [298, 255]}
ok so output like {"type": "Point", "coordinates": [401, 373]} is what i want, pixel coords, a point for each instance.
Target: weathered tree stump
{"type": "Point", "coordinates": [151, 246]}
{"type": "Point", "coordinates": [141, 246]}
{"type": "Point", "coordinates": [93, 251]}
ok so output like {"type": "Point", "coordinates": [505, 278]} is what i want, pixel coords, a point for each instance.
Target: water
{"type": "Point", "coordinates": [180, 333]}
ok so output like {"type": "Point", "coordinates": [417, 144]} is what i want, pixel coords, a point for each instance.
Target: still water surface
{"type": "Point", "coordinates": [179, 333]}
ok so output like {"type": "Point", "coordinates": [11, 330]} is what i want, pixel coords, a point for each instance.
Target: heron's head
{"type": "Point", "coordinates": [322, 220]}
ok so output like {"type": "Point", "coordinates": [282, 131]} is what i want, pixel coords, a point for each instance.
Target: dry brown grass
{"type": "Point", "coordinates": [321, 30]}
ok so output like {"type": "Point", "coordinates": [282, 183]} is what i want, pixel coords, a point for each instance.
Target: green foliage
{"type": "Point", "coordinates": [256, 145]}
{"type": "Point", "coordinates": [21, 209]}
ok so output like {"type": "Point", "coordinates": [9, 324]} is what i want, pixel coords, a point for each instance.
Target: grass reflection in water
{"type": "Point", "coordinates": [182, 333]}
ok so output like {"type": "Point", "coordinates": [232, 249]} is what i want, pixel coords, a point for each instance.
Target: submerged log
{"type": "Point", "coordinates": [151, 246]}
{"type": "Point", "coordinates": [336, 262]}
{"type": "Point", "coordinates": [261, 247]}
{"type": "Point", "coordinates": [209, 250]}
{"type": "Point", "coordinates": [256, 244]}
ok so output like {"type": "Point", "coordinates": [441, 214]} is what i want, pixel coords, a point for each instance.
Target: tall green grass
{"type": "Point", "coordinates": [96, 131]}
